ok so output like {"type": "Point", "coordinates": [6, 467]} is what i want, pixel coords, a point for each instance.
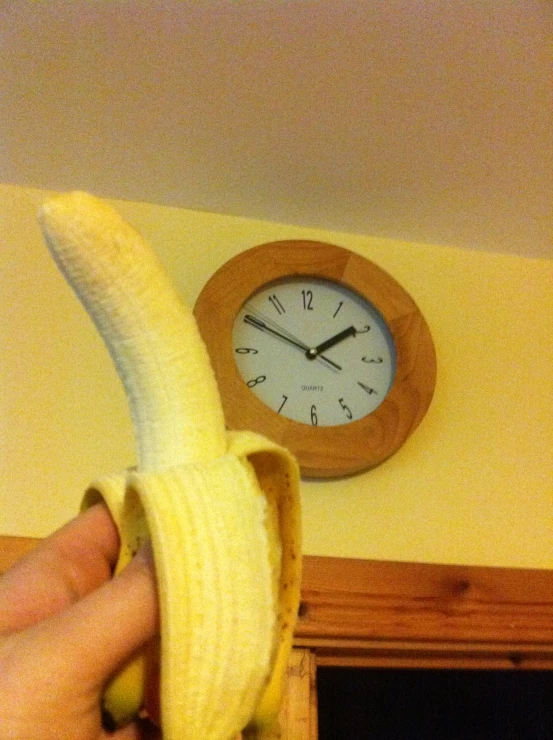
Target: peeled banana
{"type": "Point", "coordinates": [221, 508]}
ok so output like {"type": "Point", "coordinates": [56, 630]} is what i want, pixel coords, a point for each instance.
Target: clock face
{"type": "Point", "coordinates": [314, 351]}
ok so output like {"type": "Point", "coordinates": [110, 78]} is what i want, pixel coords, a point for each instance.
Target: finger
{"type": "Point", "coordinates": [94, 637]}
{"type": "Point", "coordinates": [64, 567]}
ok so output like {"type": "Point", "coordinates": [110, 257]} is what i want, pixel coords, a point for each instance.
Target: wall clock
{"type": "Point", "coordinates": [319, 349]}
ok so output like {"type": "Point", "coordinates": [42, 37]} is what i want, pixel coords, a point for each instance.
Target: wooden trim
{"type": "Point", "coordinates": [298, 715]}
{"type": "Point", "coordinates": [373, 613]}
{"type": "Point", "coordinates": [377, 613]}
{"type": "Point", "coordinates": [13, 548]}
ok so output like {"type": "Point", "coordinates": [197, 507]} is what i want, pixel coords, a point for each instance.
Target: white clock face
{"type": "Point", "coordinates": [314, 351]}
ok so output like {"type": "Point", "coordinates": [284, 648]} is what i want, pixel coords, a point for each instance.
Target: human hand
{"type": "Point", "coordinates": [66, 627]}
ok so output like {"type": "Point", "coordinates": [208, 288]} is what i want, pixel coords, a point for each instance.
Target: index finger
{"type": "Point", "coordinates": [66, 566]}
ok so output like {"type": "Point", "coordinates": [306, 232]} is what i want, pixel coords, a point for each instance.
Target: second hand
{"type": "Point", "coordinates": [286, 336]}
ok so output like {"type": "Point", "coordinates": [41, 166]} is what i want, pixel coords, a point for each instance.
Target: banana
{"type": "Point", "coordinates": [221, 508]}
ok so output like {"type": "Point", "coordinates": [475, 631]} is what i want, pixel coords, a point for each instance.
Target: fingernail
{"type": "Point", "coordinates": [145, 552]}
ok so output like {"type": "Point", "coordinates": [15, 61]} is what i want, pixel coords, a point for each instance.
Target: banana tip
{"type": "Point", "coordinates": [65, 203]}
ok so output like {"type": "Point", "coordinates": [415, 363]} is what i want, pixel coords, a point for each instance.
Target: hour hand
{"type": "Point", "coordinates": [316, 351]}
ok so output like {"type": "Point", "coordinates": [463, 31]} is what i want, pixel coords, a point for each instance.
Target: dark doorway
{"type": "Point", "coordinates": [390, 704]}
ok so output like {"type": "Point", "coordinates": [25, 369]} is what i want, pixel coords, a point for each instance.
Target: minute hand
{"type": "Point", "coordinates": [262, 326]}
{"type": "Point", "coordinates": [253, 321]}
{"type": "Point", "coordinates": [316, 351]}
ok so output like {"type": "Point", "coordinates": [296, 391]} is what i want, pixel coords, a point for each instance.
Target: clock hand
{"type": "Point", "coordinates": [314, 352]}
{"type": "Point", "coordinates": [262, 326]}
{"type": "Point", "coordinates": [259, 316]}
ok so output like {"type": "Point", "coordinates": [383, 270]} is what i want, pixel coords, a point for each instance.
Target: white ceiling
{"type": "Point", "coordinates": [427, 120]}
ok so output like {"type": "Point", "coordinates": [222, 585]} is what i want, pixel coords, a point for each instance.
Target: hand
{"type": "Point", "coordinates": [285, 336]}
{"type": "Point", "coordinates": [316, 351]}
{"type": "Point", "coordinates": [66, 626]}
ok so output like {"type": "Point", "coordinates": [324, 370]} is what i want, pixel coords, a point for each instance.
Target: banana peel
{"type": "Point", "coordinates": [220, 508]}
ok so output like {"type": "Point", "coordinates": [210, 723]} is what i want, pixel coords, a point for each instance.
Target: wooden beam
{"type": "Point", "coordinates": [13, 548]}
{"type": "Point", "coordinates": [379, 613]}
{"type": "Point", "coordinates": [359, 612]}
{"type": "Point", "coordinates": [298, 715]}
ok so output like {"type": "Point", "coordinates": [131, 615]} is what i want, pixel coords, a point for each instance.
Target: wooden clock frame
{"type": "Point", "coordinates": [322, 452]}
{"type": "Point", "coordinates": [379, 614]}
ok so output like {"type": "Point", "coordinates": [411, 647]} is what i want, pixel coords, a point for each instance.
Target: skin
{"type": "Point", "coordinates": [66, 626]}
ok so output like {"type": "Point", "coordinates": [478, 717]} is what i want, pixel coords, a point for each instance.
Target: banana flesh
{"type": "Point", "coordinates": [221, 508]}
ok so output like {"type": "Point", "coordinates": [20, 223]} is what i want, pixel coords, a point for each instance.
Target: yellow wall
{"type": "Point", "coordinates": [474, 484]}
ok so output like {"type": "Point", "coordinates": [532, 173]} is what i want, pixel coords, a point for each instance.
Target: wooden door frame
{"type": "Point", "coordinates": [393, 614]}
{"type": "Point", "coordinates": [365, 613]}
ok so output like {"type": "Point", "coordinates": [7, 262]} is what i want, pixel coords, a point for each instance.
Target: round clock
{"type": "Point", "coordinates": [320, 350]}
